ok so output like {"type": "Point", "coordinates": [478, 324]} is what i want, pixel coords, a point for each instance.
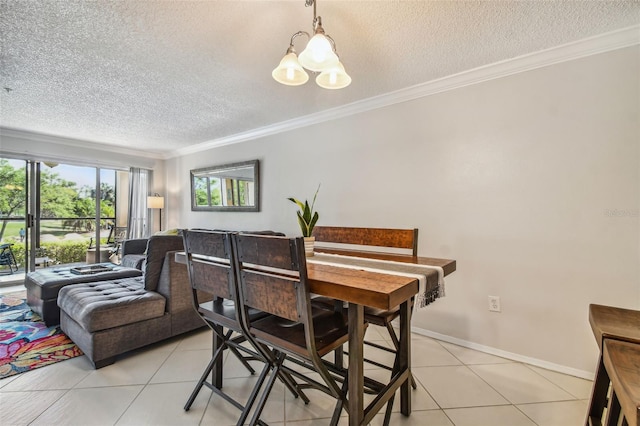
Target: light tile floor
{"type": "Point", "coordinates": [456, 386]}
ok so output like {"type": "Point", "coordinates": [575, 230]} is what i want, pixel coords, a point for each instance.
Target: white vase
{"type": "Point", "coordinates": [308, 245]}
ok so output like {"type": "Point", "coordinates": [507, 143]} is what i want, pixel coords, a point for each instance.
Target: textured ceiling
{"type": "Point", "coordinates": [165, 75]}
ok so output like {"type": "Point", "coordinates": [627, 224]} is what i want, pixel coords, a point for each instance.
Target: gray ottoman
{"type": "Point", "coordinates": [43, 286]}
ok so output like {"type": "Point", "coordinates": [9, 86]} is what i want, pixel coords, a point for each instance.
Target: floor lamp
{"type": "Point", "coordinates": [155, 201]}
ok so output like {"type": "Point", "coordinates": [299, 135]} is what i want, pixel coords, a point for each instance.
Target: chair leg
{"type": "Point", "coordinates": [613, 410]}
{"type": "Point", "coordinates": [268, 358]}
{"type": "Point", "coordinates": [242, 359]}
{"type": "Point", "coordinates": [598, 395]}
{"type": "Point", "coordinates": [387, 412]}
{"type": "Point", "coordinates": [293, 387]}
{"type": "Point", "coordinates": [203, 378]}
{"type": "Point", "coordinates": [253, 395]}
{"type": "Point", "coordinates": [396, 344]}
{"type": "Point", "coordinates": [339, 357]}
{"type": "Point", "coordinates": [279, 359]}
{"type": "Point", "coordinates": [392, 334]}
{"type": "Point", "coordinates": [340, 404]}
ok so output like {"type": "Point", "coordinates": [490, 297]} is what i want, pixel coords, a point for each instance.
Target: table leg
{"type": "Point", "coordinates": [356, 365]}
{"type": "Point", "coordinates": [405, 356]}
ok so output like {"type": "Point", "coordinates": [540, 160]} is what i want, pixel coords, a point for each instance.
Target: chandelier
{"type": "Point", "coordinates": [319, 56]}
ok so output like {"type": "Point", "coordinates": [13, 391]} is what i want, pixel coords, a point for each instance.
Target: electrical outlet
{"type": "Point", "coordinates": [494, 304]}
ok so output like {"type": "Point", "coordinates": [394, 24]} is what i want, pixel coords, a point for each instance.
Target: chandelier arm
{"type": "Point", "coordinates": [308, 3]}
{"type": "Point", "coordinates": [298, 34]}
{"type": "Point", "coordinates": [333, 43]}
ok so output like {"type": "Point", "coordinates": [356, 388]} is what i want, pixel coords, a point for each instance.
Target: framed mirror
{"type": "Point", "coordinates": [228, 187]}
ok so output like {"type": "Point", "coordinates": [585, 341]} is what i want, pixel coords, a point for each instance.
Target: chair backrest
{"type": "Point", "coordinates": [386, 238]}
{"type": "Point", "coordinates": [272, 277]}
{"type": "Point", "coordinates": [117, 234]}
{"type": "Point", "coordinates": [6, 254]}
{"type": "Point", "coordinates": [210, 264]}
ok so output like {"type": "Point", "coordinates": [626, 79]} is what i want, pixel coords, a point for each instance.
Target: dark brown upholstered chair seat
{"type": "Point", "coordinates": [380, 317]}
{"type": "Point", "coordinates": [221, 309]}
{"type": "Point", "coordinates": [330, 332]}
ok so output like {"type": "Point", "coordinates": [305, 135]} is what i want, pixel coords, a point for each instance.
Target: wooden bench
{"type": "Point", "coordinates": [366, 239]}
{"type": "Point", "coordinates": [382, 243]}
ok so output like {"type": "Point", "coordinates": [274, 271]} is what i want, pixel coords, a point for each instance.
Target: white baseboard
{"type": "Point", "coordinates": [504, 354]}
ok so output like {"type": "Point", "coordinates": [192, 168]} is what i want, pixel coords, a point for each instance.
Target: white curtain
{"type": "Point", "coordinates": [138, 212]}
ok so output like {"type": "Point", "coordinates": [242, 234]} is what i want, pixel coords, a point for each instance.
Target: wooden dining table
{"type": "Point", "coordinates": [360, 288]}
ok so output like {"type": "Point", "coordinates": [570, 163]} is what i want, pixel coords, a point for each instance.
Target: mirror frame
{"type": "Point", "coordinates": [211, 170]}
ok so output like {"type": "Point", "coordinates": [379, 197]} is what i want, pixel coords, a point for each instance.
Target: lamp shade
{"type": "Point", "coordinates": [290, 72]}
{"type": "Point", "coordinates": [155, 202]}
{"type": "Point", "coordinates": [333, 78]}
{"type": "Point", "coordinates": [318, 55]}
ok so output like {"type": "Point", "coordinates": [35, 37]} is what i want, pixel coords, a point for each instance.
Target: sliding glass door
{"type": "Point", "coordinates": [54, 213]}
{"type": "Point", "coordinates": [14, 235]}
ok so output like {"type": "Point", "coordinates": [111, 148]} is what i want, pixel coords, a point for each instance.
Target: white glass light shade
{"type": "Point", "coordinates": [155, 202]}
{"type": "Point", "coordinates": [334, 78]}
{"type": "Point", "coordinates": [318, 55]}
{"type": "Point", "coordinates": [290, 72]}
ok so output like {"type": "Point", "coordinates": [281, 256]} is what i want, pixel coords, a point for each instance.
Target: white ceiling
{"type": "Point", "coordinates": [161, 76]}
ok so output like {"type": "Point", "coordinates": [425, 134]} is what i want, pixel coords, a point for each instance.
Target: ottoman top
{"type": "Point", "coordinates": [108, 304]}
{"type": "Point", "coordinates": [46, 283]}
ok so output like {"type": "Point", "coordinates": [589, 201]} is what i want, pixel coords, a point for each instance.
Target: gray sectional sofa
{"type": "Point", "coordinates": [108, 318]}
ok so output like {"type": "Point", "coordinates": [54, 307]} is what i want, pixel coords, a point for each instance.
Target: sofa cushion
{"type": "Point", "coordinates": [133, 261]}
{"type": "Point", "coordinates": [107, 304]}
{"type": "Point", "coordinates": [157, 247]}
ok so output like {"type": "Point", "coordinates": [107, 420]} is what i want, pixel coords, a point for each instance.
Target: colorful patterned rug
{"type": "Point", "coordinates": [26, 342]}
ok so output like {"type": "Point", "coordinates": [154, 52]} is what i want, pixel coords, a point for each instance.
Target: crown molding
{"type": "Point", "coordinates": [7, 133]}
{"type": "Point", "coordinates": [606, 42]}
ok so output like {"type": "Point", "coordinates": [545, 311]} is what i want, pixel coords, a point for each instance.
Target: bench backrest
{"type": "Point", "coordinates": [368, 237]}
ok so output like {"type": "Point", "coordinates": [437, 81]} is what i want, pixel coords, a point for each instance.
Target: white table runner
{"type": "Point", "coordinates": [429, 289]}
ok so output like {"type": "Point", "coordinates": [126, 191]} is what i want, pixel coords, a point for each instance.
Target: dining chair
{"type": "Point", "coordinates": [272, 277]}
{"type": "Point", "coordinates": [368, 242]}
{"type": "Point", "coordinates": [621, 360]}
{"type": "Point", "coordinates": [7, 258]}
{"type": "Point", "coordinates": [611, 323]}
{"type": "Point", "coordinates": [215, 294]}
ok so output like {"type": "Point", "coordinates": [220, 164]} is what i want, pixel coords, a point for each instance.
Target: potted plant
{"type": "Point", "coordinates": [307, 219]}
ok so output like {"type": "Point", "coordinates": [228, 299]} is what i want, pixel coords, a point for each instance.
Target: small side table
{"type": "Point", "coordinates": [43, 261]}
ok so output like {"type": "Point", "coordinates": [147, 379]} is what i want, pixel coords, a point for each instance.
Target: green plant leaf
{"type": "Point", "coordinates": [299, 203]}
{"type": "Point", "coordinates": [307, 218]}
{"type": "Point", "coordinates": [313, 203]}
{"type": "Point", "coordinates": [303, 225]}
{"type": "Point", "coordinates": [307, 213]}
{"type": "Point", "coordinates": [313, 223]}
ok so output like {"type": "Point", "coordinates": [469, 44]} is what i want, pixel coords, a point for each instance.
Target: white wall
{"type": "Point", "coordinates": [531, 182]}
